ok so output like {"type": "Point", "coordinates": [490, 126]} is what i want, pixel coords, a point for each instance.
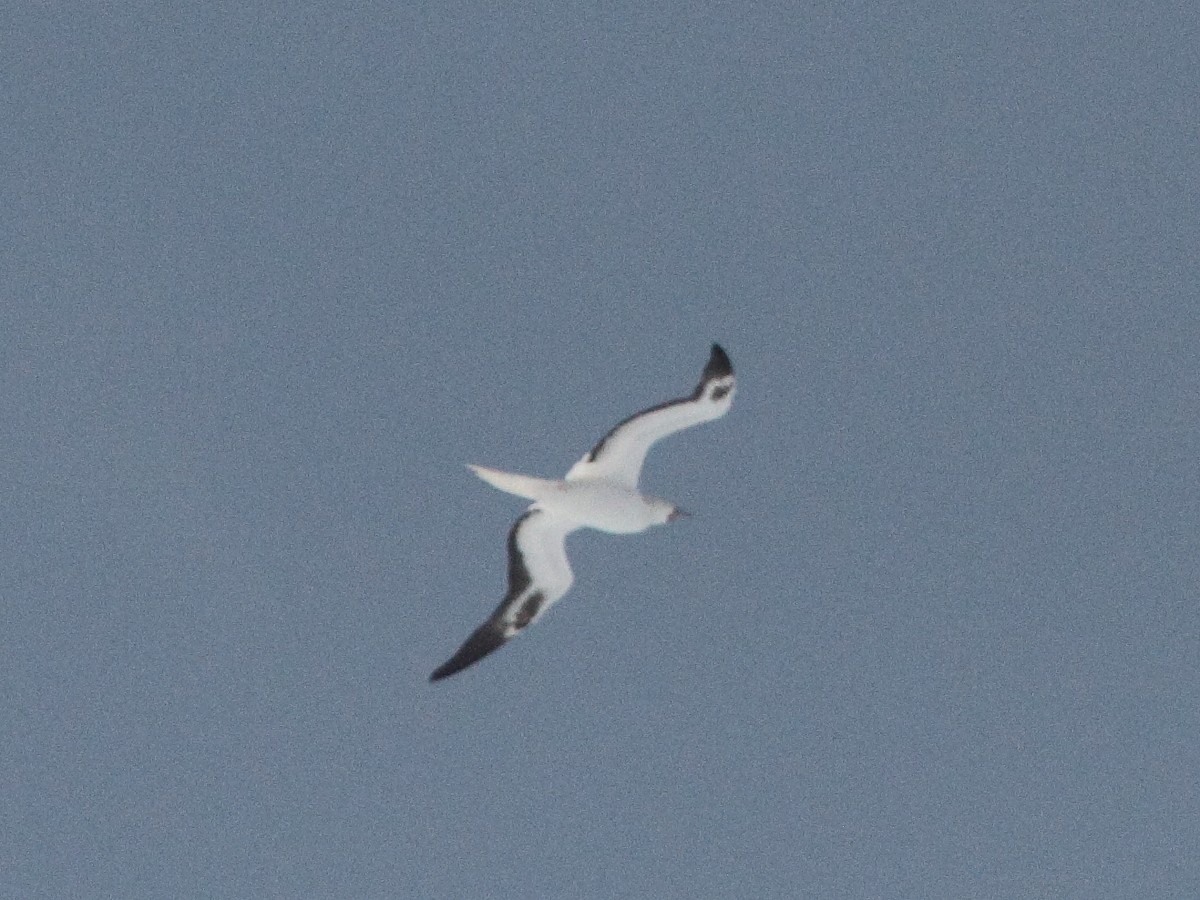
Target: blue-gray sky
{"type": "Point", "coordinates": [271, 275]}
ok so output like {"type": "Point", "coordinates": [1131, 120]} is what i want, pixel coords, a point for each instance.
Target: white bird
{"type": "Point", "coordinates": [600, 491]}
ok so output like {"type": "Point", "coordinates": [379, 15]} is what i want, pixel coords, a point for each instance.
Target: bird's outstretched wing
{"type": "Point", "coordinates": [620, 454]}
{"type": "Point", "coordinates": [539, 573]}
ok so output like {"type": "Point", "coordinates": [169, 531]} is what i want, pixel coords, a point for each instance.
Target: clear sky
{"type": "Point", "coordinates": [273, 273]}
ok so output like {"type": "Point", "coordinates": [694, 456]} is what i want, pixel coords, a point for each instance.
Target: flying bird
{"type": "Point", "coordinates": [600, 491]}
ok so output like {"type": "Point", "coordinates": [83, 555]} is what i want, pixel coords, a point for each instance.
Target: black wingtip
{"type": "Point", "coordinates": [718, 366]}
{"type": "Point", "coordinates": [484, 640]}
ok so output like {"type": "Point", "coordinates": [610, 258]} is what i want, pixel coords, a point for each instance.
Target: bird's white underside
{"type": "Point", "coordinates": [584, 503]}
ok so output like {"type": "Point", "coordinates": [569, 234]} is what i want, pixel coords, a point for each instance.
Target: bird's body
{"type": "Point", "coordinates": [600, 491]}
{"type": "Point", "coordinates": [585, 502]}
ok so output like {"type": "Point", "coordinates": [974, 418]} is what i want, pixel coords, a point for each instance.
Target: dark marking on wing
{"type": "Point", "coordinates": [518, 574]}
{"type": "Point", "coordinates": [529, 609]}
{"type": "Point", "coordinates": [718, 366]}
{"type": "Point", "coordinates": [483, 640]}
{"type": "Point", "coordinates": [490, 636]}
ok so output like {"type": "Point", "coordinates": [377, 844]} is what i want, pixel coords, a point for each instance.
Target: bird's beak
{"type": "Point", "coordinates": [678, 513]}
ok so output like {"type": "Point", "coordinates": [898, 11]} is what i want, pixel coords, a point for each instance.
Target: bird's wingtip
{"type": "Point", "coordinates": [719, 364]}
{"type": "Point", "coordinates": [486, 639]}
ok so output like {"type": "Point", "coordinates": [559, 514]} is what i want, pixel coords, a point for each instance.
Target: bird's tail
{"type": "Point", "coordinates": [522, 485]}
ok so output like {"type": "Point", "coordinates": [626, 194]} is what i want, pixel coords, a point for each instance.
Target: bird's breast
{"type": "Point", "coordinates": [604, 506]}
